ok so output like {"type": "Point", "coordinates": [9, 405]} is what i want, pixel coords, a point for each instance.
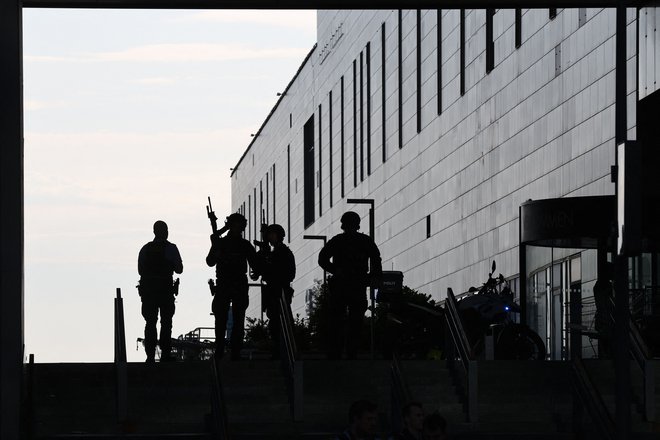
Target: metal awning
{"type": "Point", "coordinates": [570, 222]}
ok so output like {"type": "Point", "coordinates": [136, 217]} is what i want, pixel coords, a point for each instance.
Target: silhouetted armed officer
{"type": "Point", "coordinates": [353, 254]}
{"type": "Point", "coordinates": [230, 255]}
{"type": "Point", "coordinates": [157, 261]}
{"type": "Point", "coordinates": [278, 269]}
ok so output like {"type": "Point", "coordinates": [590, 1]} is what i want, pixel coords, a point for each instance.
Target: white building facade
{"type": "Point", "coordinates": [448, 120]}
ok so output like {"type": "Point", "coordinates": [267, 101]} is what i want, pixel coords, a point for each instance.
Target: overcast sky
{"type": "Point", "coordinates": [133, 116]}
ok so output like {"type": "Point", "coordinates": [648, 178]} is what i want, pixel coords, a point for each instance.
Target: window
{"type": "Point", "coordinates": [309, 172]}
{"type": "Point", "coordinates": [330, 142]}
{"type": "Point", "coordinates": [428, 226]}
{"type": "Point", "coordinates": [462, 52]}
{"type": "Point", "coordinates": [274, 195]}
{"type": "Point", "coordinates": [419, 70]}
{"type": "Point", "coordinates": [582, 16]}
{"type": "Point", "coordinates": [256, 216]}
{"type": "Point", "coordinates": [490, 43]}
{"type": "Point", "coordinates": [320, 182]}
{"type": "Point", "coordinates": [249, 219]}
{"type": "Point", "coordinates": [361, 118]}
{"type": "Point", "coordinates": [290, 120]}
{"type": "Point", "coordinates": [439, 56]}
{"type": "Point", "coordinates": [518, 28]}
{"type": "Point", "coordinates": [341, 134]}
{"type": "Point", "coordinates": [400, 72]}
{"type": "Point", "coordinates": [355, 117]}
{"type": "Point", "coordinates": [368, 62]}
{"type": "Point", "coordinates": [261, 204]}
{"type": "Point", "coordinates": [267, 220]}
{"type": "Point", "coordinates": [382, 89]}
{"type": "Point", "coordinates": [552, 13]}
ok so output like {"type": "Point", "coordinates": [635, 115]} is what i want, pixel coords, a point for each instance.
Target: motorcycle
{"type": "Point", "coordinates": [491, 309]}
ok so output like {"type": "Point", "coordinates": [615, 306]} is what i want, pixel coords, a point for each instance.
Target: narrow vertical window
{"type": "Point", "coordinates": [428, 226]}
{"type": "Point", "coordinates": [290, 120]}
{"type": "Point", "coordinates": [256, 215]}
{"type": "Point", "coordinates": [490, 43]}
{"type": "Point", "coordinates": [439, 58]}
{"type": "Point", "coordinates": [419, 70]}
{"type": "Point", "coordinates": [308, 170]}
{"type": "Point", "coordinates": [400, 72]}
{"type": "Point", "coordinates": [267, 200]}
{"type": "Point", "coordinates": [320, 164]}
{"type": "Point", "coordinates": [462, 52]}
{"type": "Point", "coordinates": [582, 16]}
{"type": "Point", "coordinates": [382, 89]}
{"type": "Point", "coordinates": [518, 27]}
{"type": "Point", "coordinates": [368, 62]}
{"type": "Point", "coordinates": [274, 195]}
{"type": "Point", "coordinates": [288, 191]}
{"type": "Point", "coordinates": [361, 116]}
{"type": "Point", "coordinates": [261, 203]}
{"type": "Point", "coordinates": [355, 117]}
{"type": "Point", "coordinates": [249, 219]}
{"type": "Point", "coordinates": [341, 134]}
{"type": "Point", "coordinates": [552, 13]}
{"type": "Point", "coordinates": [330, 143]}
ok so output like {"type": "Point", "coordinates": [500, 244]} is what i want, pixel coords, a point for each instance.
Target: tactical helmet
{"type": "Point", "coordinates": [237, 218]}
{"type": "Point", "coordinates": [350, 220]}
{"type": "Point", "coordinates": [277, 229]}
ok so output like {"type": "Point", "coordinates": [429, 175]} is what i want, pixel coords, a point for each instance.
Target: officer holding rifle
{"type": "Point", "coordinates": [230, 255]}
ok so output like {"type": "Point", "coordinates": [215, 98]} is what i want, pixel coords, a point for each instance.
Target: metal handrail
{"type": "Point", "coordinates": [218, 406]}
{"type": "Point", "coordinates": [120, 359]}
{"type": "Point", "coordinates": [457, 344]}
{"type": "Point", "coordinates": [400, 394]}
{"type": "Point", "coordinates": [291, 364]}
{"type": "Point", "coordinates": [641, 353]}
{"type": "Point", "coordinates": [590, 398]}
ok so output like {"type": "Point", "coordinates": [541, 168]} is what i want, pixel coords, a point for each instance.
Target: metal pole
{"type": "Point", "coordinates": [522, 271]}
{"type": "Point", "coordinates": [11, 218]}
{"type": "Point", "coordinates": [372, 296]}
{"type": "Point", "coordinates": [621, 309]}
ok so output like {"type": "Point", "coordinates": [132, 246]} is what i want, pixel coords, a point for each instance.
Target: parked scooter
{"type": "Point", "coordinates": [491, 310]}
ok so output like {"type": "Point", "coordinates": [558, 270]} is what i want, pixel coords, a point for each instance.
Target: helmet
{"type": "Point", "coordinates": [277, 229]}
{"type": "Point", "coordinates": [350, 220]}
{"type": "Point", "coordinates": [237, 218]}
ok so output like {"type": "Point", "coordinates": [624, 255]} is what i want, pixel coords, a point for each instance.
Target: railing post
{"type": "Point", "coordinates": [298, 396]}
{"type": "Point", "coordinates": [120, 359]}
{"type": "Point", "coordinates": [472, 398]}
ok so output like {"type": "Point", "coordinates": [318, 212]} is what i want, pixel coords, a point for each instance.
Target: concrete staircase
{"type": "Point", "coordinates": [602, 374]}
{"type": "Point", "coordinates": [256, 400]}
{"type": "Point", "coordinates": [517, 400]}
{"type": "Point", "coordinates": [331, 386]}
{"type": "Point", "coordinates": [166, 400]}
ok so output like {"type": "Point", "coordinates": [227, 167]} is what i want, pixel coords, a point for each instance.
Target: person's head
{"type": "Point", "coordinates": [413, 416]}
{"type": "Point", "coordinates": [275, 234]}
{"type": "Point", "coordinates": [350, 221]}
{"type": "Point", "coordinates": [160, 230]}
{"type": "Point", "coordinates": [236, 223]}
{"type": "Point", "coordinates": [363, 417]}
{"type": "Point", "coordinates": [434, 427]}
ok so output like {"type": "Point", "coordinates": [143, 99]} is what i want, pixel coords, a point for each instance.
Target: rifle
{"type": "Point", "coordinates": [212, 217]}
